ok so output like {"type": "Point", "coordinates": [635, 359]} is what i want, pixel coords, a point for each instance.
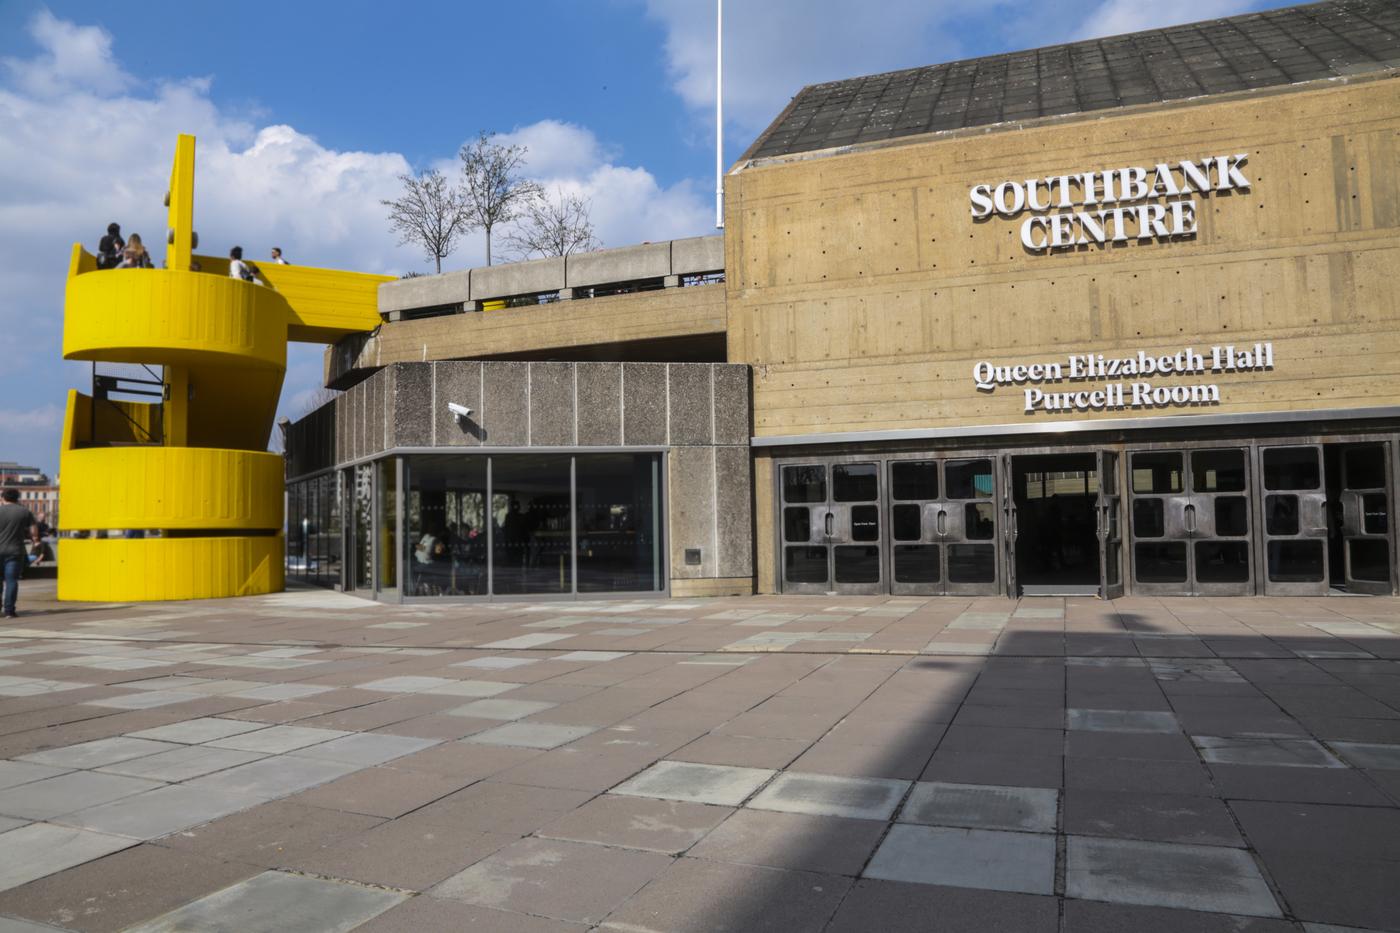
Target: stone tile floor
{"type": "Point", "coordinates": [313, 762]}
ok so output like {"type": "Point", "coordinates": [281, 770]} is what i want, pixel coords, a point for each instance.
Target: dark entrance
{"type": "Point", "coordinates": [1056, 523]}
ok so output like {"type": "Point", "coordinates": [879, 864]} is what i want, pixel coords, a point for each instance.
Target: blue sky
{"type": "Point", "coordinates": [306, 113]}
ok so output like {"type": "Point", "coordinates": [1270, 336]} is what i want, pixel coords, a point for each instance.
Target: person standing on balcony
{"type": "Point", "coordinates": [16, 523]}
{"type": "Point", "coordinates": [238, 269]}
{"type": "Point", "coordinates": [135, 255]}
{"type": "Point", "coordinates": [109, 248]}
{"type": "Point", "coordinates": [277, 256]}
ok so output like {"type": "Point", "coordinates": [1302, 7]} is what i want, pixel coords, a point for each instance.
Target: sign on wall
{"type": "Point", "coordinates": [1039, 380]}
{"type": "Point", "coordinates": [1110, 206]}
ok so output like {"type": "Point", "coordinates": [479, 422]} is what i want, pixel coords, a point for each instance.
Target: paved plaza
{"type": "Point", "coordinates": [308, 761]}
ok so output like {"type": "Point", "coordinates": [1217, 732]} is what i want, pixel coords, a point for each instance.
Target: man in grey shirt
{"type": "Point", "coordinates": [16, 523]}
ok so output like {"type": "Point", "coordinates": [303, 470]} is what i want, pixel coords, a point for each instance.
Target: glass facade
{"type": "Point", "coordinates": [463, 525]}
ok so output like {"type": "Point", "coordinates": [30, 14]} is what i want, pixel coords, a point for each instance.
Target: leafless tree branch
{"type": "Point", "coordinates": [431, 214]}
{"type": "Point", "coordinates": [493, 189]}
{"type": "Point", "coordinates": [552, 226]}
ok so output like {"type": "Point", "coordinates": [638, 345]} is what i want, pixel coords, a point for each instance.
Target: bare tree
{"type": "Point", "coordinates": [553, 226]}
{"type": "Point", "coordinates": [431, 214]}
{"type": "Point", "coordinates": [494, 190]}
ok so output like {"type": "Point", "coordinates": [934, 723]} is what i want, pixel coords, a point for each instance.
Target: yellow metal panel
{"type": "Point", "coordinates": [180, 204]}
{"type": "Point", "coordinates": [324, 305]}
{"type": "Point", "coordinates": [171, 487]}
{"type": "Point", "coordinates": [131, 569]}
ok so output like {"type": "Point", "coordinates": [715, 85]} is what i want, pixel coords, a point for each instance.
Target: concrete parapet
{"type": "Point", "coordinates": [697, 254]}
{"type": "Point", "coordinates": [623, 264]}
{"type": "Point", "coordinates": [517, 278]}
{"type": "Point", "coordinates": [425, 291]}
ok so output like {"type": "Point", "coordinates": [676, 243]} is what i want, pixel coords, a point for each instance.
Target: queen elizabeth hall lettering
{"type": "Point", "coordinates": [1114, 317]}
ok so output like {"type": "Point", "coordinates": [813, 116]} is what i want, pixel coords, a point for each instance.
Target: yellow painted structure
{"type": "Point", "coordinates": [194, 466]}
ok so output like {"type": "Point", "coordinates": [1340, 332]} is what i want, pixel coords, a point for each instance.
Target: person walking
{"type": "Point", "coordinates": [16, 523]}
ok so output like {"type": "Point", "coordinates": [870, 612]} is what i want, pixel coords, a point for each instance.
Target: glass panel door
{"type": "Point", "coordinates": [1293, 504]}
{"type": "Point", "coordinates": [967, 526]}
{"type": "Point", "coordinates": [856, 563]}
{"type": "Point", "coordinates": [805, 525]}
{"type": "Point", "coordinates": [1160, 538]}
{"type": "Point", "coordinates": [916, 550]}
{"type": "Point", "coordinates": [1110, 527]}
{"type": "Point", "coordinates": [831, 526]}
{"type": "Point", "coordinates": [1367, 536]}
{"type": "Point", "coordinates": [1218, 517]}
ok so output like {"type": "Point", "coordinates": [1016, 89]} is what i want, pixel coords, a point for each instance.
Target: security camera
{"type": "Point", "coordinates": [459, 412]}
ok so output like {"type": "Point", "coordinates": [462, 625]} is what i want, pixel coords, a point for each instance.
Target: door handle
{"type": "Point", "coordinates": [829, 519]}
{"type": "Point", "coordinates": [942, 525]}
{"type": "Point", "coordinates": [1190, 515]}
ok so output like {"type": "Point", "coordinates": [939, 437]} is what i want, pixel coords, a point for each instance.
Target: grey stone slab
{"type": "Point", "coordinates": [406, 684]}
{"type": "Point", "coordinates": [599, 404]}
{"type": "Point", "coordinates": [563, 880]}
{"type": "Point", "coordinates": [277, 739]}
{"type": "Point", "coordinates": [734, 515]}
{"type": "Point", "coordinates": [506, 408]}
{"type": "Point", "coordinates": [530, 735]}
{"type": "Point", "coordinates": [185, 762]}
{"type": "Point", "coordinates": [533, 640]}
{"type": "Point", "coordinates": [1265, 750]}
{"type": "Point", "coordinates": [45, 799]}
{"type": "Point", "coordinates": [1120, 720]}
{"type": "Point", "coordinates": [966, 858]}
{"type": "Point", "coordinates": [792, 841]}
{"type": "Point", "coordinates": [1207, 878]}
{"type": "Point", "coordinates": [982, 806]}
{"type": "Point", "coordinates": [459, 382]}
{"type": "Point", "coordinates": [14, 773]}
{"type": "Point", "coordinates": [1153, 817]}
{"type": "Point", "coordinates": [551, 404]}
{"type": "Point", "coordinates": [274, 777]}
{"type": "Point", "coordinates": [98, 753]}
{"type": "Point", "coordinates": [11, 925]}
{"type": "Point", "coordinates": [699, 783]}
{"type": "Point", "coordinates": [472, 688]}
{"type": "Point", "coordinates": [496, 664]}
{"type": "Point", "coordinates": [1369, 755]}
{"type": "Point", "coordinates": [160, 812]}
{"type": "Point", "coordinates": [731, 404]}
{"type": "Point", "coordinates": [197, 731]}
{"type": "Point", "coordinates": [644, 404]}
{"type": "Point", "coordinates": [690, 397]}
{"type": "Point", "coordinates": [829, 795]}
{"type": "Point", "coordinates": [40, 849]}
{"type": "Point", "coordinates": [367, 748]}
{"type": "Point", "coordinates": [280, 692]}
{"type": "Point", "coordinates": [412, 398]}
{"type": "Point", "coordinates": [691, 506]}
{"type": "Point", "coordinates": [275, 902]}
{"type": "Point", "coordinates": [669, 826]}
{"type": "Point", "coordinates": [501, 709]}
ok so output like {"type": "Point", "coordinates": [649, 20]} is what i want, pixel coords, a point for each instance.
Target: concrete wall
{"type": "Point", "coordinates": [699, 412]}
{"type": "Point", "coordinates": [862, 291]}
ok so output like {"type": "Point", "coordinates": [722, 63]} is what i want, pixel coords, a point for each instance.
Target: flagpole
{"type": "Point", "coordinates": [719, 114]}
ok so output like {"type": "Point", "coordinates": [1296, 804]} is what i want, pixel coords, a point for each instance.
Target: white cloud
{"type": "Point", "coordinates": [1115, 17]}
{"type": "Point", "coordinates": [83, 143]}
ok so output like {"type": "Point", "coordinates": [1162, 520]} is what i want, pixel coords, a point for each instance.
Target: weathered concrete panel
{"type": "Point", "coordinates": [506, 408]}
{"type": "Point", "coordinates": [690, 403]}
{"type": "Point", "coordinates": [551, 404]}
{"type": "Point", "coordinates": [461, 383]}
{"type": "Point", "coordinates": [625, 264]}
{"type": "Point", "coordinates": [697, 254]}
{"type": "Point", "coordinates": [644, 403]}
{"type": "Point", "coordinates": [426, 291]}
{"type": "Point", "coordinates": [691, 505]}
{"type": "Point", "coordinates": [412, 406]}
{"type": "Point", "coordinates": [731, 406]}
{"type": "Point", "coordinates": [733, 518]}
{"type": "Point", "coordinates": [517, 278]}
{"type": "Point", "coordinates": [599, 404]}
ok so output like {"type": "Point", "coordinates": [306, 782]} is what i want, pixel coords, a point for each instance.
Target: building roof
{"type": "Point", "coordinates": [1257, 50]}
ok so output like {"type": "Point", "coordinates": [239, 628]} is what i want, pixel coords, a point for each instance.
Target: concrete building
{"type": "Point", "coordinates": [1110, 317]}
{"type": "Point", "coordinates": [36, 493]}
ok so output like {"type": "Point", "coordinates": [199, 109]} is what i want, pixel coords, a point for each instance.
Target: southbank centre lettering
{"type": "Point", "coordinates": [1112, 396]}
{"type": "Point", "coordinates": [1100, 207]}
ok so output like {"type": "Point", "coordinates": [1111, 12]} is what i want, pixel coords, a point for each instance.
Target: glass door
{"type": "Point", "coordinates": [1109, 527]}
{"type": "Point", "coordinates": [1364, 507]}
{"type": "Point", "coordinates": [1008, 526]}
{"type": "Point", "coordinates": [1293, 503]}
{"type": "Point", "coordinates": [831, 528]}
{"type": "Point", "coordinates": [943, 523]}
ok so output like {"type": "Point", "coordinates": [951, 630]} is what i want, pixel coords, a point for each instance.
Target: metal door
{"type": "Point", "coordinates": [1218, 521]}
{"type": "Point", "coordinates": [1366, 526]}
{"type": "Point", "coordinates": [1008, 527]}
{"type": "Point", "coordinates": [1109, 528]}
{"type": "Point", "coordinates": [1161, 540]}
{"type": "Point", "coordinates": [831, 523]}
{"type": "Point", "coordinates": [943, 527]}
{"type": "Point", "coordinates": [1293, 504]}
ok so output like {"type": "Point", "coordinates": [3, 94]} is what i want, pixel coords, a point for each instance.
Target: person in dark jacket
{"type": "Point", "coordinates": [109, 248]}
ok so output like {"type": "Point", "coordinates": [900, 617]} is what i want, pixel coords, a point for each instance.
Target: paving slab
{"type": "Point", "coordinates": [501, 709]}
{"type": "Point", "coordinates": [966, 858]}
{"type": "Point", "coordinates": [982, 806]}
{"type": "Point", "coordinates": [1265, 750]}
{"type": "Point", "coordinates": [271, 834]}
{"type": "Point", "coordinates": [699, 783]}
{"type": "Point", "coordinates": [281, 692]}
{"type": "Point", "coordinates": [1158, 874]}
{"type": "Point", "coordinates": [41, 849]}
{"type": "Point", "coordinates": [50, 797]}
{"type": "Point", "coordinates": [15, 773]}
{"type": "Point", "coordinates": [198, 731]}
{"type": "Point", "coordinates": [1096, 917]}
{"type": "Point", "coordinates": [274, 902]}
{"type": "Point", "coordinates": [183, 763]}
{"type": "Point", "coordinates": [828, 795]}
{"type": "Point", "coordinates": [542, 735]}
{"type": "Point", "coordinates": [278, 739]}
{"type": "Point", "coordinates": [434, 914]}
{"type": "Point", "coordinates": [550, 878]}
{"type": "Point", "coordinates": [1117, 720]}
{"type": "Point", "coordinates": [1155, 817]}
{"type": "Point", "coordinates": [667, 826]}
{"type": "Point", "coordinates": [895, 907]}
{"type": "Point", "coordinates": [98, 753]}
{"type": "Point", "coordinates": [366, 748]}
{"type": "Point", "coordinates": [276, 776]}
{"type": "Point", "coordinates": [1369, 755]}
{"type": "Point", "coordinates": [160, 812]}
{"type": "Point", "coordinates": [496, 664]}
{"type": "Point", "coordinates": [822, 844]}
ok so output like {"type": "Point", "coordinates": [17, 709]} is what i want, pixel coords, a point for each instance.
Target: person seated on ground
{"type": "Point", "coordinates": [109, 248]}
{"type": "Point", "coordinates": [277, 256]}
{"type": "Point", "coordinates": [135, 255]}
{"type": "Point", "coordinates": [238, 269]}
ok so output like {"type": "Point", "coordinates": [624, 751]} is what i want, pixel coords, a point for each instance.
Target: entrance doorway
{"type": "Point", "coordinates": [1056, 523]}
{"type": "Point", "coordinates": [831, 527]}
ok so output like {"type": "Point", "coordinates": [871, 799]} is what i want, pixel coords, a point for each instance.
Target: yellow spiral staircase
{"type": "Point", "coordinates": [179, 498]}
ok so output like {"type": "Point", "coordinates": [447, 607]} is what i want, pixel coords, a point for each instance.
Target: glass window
{"type": "Point", "coordinates": [1370, 559]}
{"type": "Point", "coordinates": [1222, 561]}
{"type": "Point", "coordinates": [804, 564]}
{"type": "Point", "coordinates": [1157, 472]}
{"type": "Point", "coordinates": [1231, 516]}
{"type": "Point", "coordinates": [445, 525]}
{"type": "Point", "coordinates": [1160, 562]}
{"type": "Point", "coordinates": [619, 544]}
{"type": "Point", "coordinates": [856, 564]}
{"type": "Point", "coordinates": [1217, 471]}
{"type": "Point", "coordinates": [388, 525]}
{"type": "Point", "coordinates": [1281, 515]}
{"type": "Point", "coordinates": [855, 482]}
{"type": "Point", "coordinates": [1296, 561]}
{"type": "Point", "coordinates": [334, 530]}
{"type": "Point", "coordinates": [1375, 516]}
{"type": "Point", "coordinates": [364, 526]}
{"type": "Point", "coordinates": [797, 523]}
{"type": "Point", "coordinates": [1365, 467]}
{"type": "Point", "coordinates": [1149, 518]}
{"type": "Point", "coordinates": [1292, 468]}
{"type": "Point", "coordinates": [914, 479]}
{"type": "Point", "coordinates": [979, 521]}
{"type": "Point", "coordinates": [532, 526]}
{"type": "Point", "coordinates": [972, 563]}
{"type": "Point", "coordinates": [969, 479]}
{"type": "Point", "coordinates": [916, 563]}
{"type": "Point", "coordinates": [865, 523]}
{"type": "Point", "coordinates": [905, 520]}
{"type": "Point", "coordinates": [804, 484]}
